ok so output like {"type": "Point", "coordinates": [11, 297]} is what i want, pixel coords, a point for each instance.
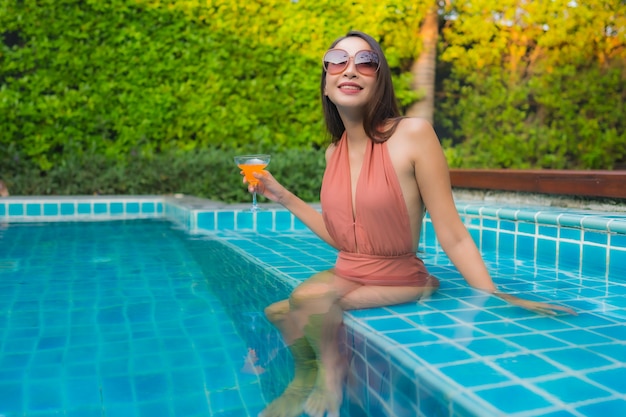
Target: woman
{"type": "Point", "coordinates": [382, 172]}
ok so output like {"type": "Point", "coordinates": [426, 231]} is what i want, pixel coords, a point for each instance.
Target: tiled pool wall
{"type": "Point", "coordinates": [586, 241]}
{"type": "Point", "coordinates": [385, 380]}
{"type": "Point", "coordinates": [48, 209]}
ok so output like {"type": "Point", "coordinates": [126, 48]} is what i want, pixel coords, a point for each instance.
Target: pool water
{"type": "Point", "coordinates": [460, 353]}
{"type": "Point", "coordinates": [129, 318]}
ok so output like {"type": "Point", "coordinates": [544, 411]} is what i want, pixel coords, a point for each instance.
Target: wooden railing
{"type": "Point", "coordinates": [594, 184]}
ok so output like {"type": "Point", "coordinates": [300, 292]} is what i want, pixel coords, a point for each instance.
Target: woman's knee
{"type": "Point", "coordinates": [277, 311]}
{"type": "Point", "coordinates": [311, 293]}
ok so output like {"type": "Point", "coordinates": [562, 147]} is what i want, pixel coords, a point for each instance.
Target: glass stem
{"type": "Point", "coordinates": [254, 205]}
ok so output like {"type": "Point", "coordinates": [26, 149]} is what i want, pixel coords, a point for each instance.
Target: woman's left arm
{"type": "Point", "coordinates": [433, 179]}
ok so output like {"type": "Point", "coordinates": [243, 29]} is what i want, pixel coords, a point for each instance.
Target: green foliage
{"type": "Point", "coordinates": [210, 174]}
{"type": "Point", "coordinates": [536, 85]}
{"type": "Point", "coordinates": [93, 92]}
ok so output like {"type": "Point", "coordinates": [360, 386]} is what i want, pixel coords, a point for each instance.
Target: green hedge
{"type": "Point", "coordinates": [204, 173]}
{"type": "Point", "coordinates": [123, 84]}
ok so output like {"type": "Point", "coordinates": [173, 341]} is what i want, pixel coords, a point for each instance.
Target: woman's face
{"type": "Point", "coordinates": [350, 88]}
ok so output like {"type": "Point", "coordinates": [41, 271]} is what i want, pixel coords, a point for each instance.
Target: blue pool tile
{"type": "Point", "coordinates": [595, 237]}
{"type": "Point", "coordinates": [429, 319]}
{"type": "Point", "coordinates": [132, 207]}
{"type": "Point", "coordinates": [16, 209]}
{"type": "Point", "coordinates": [614, 379]}
{"type": "Point", "coordinates": [543, 323]}
{"type": "Point", "coordinates": [615, 331]}
{"type": "Point", "coordinates": [386, 324]}
{"type": "Point", "coordinates": [412, 336]}
{"type": "Point", "coordinates": [226, 220]}
{"type": "Point", "coordinates": [116, 208]}
{"type": "Point", "coordinates": [44, 395]}
{"type": "Point", "coordinates": [473, 374]}
{"type": "Point", "coordinates": [225, 400]}
{"type": "Point", "coordinates": [67, 209]}
{"type": "Point", "coordinates": [528, 228]}
{"type": "Point", "coordinates": [570, 234]}
{"type": "Point", "coordinates": [513, 399]}
{"type": "Point", "coordinates": [617, 265]}
{"type": "Point", "coordinates": [84, 411]}
{"type": "Point", "coordinates": [191, 404]}
{"type": "Point", "coordinates": [579, 337]}
{"type": "Point", "coordinates": [159, 207]}
{"type": "Point", "coordinates": [12, 395]}
{"type": "Point", "coordinates": [117, 389]}
{"type": "Point", "coordinates": [569, 254]}
{"type": "Point", "coordinates": [245, 220]}
{"type": "Point", "coordinates": [3, 209]}
{"type": "Point", "coordinates": [126, 409]}
{"type": "Point", "coordinates": [548, 231]}
{"type": "Point", "coordinates": [265, 220]}
{"type": "Point", "coordinates": [577, 359]}
{"type": "Point", "coordinates": [604, 408]}
{"type": "Point", "coordinates": [546, 251]}
{"type": "Point", "coordinates": [33, 209]}
{"type": "Point", "coordinates": [618, 241]}
{"type": "Point", "coordinates": [526, 365]}
{"type": "Point", "coordinates": [430, 404]}
{"type": "Point", "coordinates": [506, 243]}
{"type": "Point", "coordinates": [525, 247]}
{"type": "Point", "coordinates": [100, 208]}
{"type": "Point", "coordinates": [536, 341]}
{"type": "Point", "coordinates": [206, 220]}
{"type": "Point", "coordinates": [572, 389]}
{"type": "Point", "coordinates": [84, 208]}
{"type": "Point", "coordinates": [436, 353]}
{"type": "Point", "coordinates": [50, 209]}
{"type": "Point", "coordinates": [490, 224]}
{"type": "Point", "coordinates": [489, 240]}
{"type": "Point", "coordinates": [82, 391]}
{"type": "Point", "coordinates": [594, 259]}
{"type": "Point", "coordinates": [148, 207]}
{"type": "Point", "coordinates": [283, 220]}
{"type": "Point", "coordinates": [491, 347]}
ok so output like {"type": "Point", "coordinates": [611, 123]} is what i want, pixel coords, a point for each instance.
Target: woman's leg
{"type": "Point", "coordinates": [300, 320]}
{"type": "Point", "coordinates": [326, 398]}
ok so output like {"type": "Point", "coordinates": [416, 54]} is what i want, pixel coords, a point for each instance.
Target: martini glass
{"type": "Point", "coordinates": [250, 164]}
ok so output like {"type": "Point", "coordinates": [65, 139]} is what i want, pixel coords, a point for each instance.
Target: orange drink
{"type": "Point", "coordinates": [251, 167]}
{"type": "Point", "coordinates": [250, 164]}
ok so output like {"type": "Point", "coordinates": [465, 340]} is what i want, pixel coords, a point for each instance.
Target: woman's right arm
{"type": "Point", "coordinates": [274, 191]}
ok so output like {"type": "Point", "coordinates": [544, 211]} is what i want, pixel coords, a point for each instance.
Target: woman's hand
{"type": "Point", "coordinates": [268, 187]}
{"type": "Point", "coordinates": [536, 306]}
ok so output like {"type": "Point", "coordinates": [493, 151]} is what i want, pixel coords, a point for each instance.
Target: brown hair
{"type": "Point", "coordinates": [382, 108]}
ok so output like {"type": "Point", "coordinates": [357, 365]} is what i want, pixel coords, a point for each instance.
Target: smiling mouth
{"type": "Point", "coordinates": [350, 87]}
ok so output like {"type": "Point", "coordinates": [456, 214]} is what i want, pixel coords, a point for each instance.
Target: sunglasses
{"type": "Point", "coordinates": [365, 62]}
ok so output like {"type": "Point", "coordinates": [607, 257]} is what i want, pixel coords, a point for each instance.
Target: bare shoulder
{"type": "Point", "coordinates": [414, 135]}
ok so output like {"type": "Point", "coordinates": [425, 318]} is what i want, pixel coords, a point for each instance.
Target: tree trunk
{"type": "Point", "coordinates": [424, 68]}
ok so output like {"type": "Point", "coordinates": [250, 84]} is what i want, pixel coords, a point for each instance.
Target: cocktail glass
{"type": "Point", "coordinates": [250, 164]}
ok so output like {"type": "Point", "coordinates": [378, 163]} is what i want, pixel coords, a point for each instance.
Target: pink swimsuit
{"type": "Point", "coordinates": [376, 245]}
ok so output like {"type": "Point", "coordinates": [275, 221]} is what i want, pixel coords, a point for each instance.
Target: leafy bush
{"type": "Point", "coordinates": [210, 174]}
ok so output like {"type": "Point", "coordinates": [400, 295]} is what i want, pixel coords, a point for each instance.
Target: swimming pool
{"type": "Point", "coordinates": [459, 353]}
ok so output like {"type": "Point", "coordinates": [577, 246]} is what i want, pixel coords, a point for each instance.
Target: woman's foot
{"type": "Point", "coordinates": [291, 402]}
{"type": "Point", "coordinates": [327, 395]}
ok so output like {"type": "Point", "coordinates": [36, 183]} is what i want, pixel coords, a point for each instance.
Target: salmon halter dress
{"type": "Point", "coordinates": [375, 245]}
